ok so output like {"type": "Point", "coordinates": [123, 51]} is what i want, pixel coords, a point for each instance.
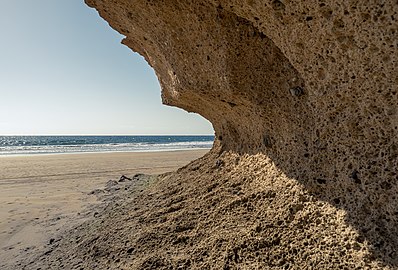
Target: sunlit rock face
{"type": "Point", "coordinates": [311, 85]}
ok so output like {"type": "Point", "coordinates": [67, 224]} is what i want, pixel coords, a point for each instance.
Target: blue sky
{"type": "Point", "coordinates": [63, 71]}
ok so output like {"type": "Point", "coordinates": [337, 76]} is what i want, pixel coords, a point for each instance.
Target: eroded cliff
{"type": "Point", "coordinates": [303, 98]}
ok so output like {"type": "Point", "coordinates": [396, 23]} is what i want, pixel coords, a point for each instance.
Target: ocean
{"type": "Point", "coordinates": [31, 145]}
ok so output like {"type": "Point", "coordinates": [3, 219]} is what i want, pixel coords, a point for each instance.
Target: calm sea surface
{"type": "Point", "coordinates": [29, 145]}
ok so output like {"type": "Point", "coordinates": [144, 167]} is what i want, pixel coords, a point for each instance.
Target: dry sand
{"type": "Point", "coordinates": [44, 195]}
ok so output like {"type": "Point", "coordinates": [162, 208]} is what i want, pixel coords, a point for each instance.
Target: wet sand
{"type": "Point", "coordinates": [44, 195]}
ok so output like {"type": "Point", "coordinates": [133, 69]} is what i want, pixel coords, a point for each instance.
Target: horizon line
{"type": "Point", "coordinates": [106, 135]}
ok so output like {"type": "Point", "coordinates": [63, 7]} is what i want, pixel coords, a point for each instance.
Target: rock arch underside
{"type": "Point", "coordinates": [303, 173]}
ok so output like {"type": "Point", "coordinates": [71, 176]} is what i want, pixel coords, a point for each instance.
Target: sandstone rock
{"type": "Point", "coordinates": [111, 183]}
{"type": "Point", "coordinates": [123, 178]}
{"type": "Point", "coordinates": [303, 96]}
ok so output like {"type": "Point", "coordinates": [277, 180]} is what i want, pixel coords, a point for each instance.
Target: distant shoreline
{"type": "Point", "coordinates": [41, 145]}
{"type": "Point", "coordinates": [103, 152]}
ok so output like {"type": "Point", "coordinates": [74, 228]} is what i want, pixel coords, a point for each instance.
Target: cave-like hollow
{"type": "Point", "coordinates": [310, 87]}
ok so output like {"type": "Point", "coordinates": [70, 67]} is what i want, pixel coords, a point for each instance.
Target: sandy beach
{"type": "Point", "coordinates": [44, 195]}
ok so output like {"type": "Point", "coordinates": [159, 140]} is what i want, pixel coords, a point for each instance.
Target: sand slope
{"type": "Point", "coordinates": [43, 195]}
{"type": "Point", "coordinates": [223, 211]}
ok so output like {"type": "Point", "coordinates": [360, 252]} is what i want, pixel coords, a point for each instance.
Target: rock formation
{"type": "Point", "coordinates": [303, 99]}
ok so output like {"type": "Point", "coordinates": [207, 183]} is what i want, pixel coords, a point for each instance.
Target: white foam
{"type": "Point", "coordinates": [111, 147]}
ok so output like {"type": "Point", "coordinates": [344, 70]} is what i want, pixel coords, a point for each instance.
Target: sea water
{"type": "Point", "coordinates": [28, 145]}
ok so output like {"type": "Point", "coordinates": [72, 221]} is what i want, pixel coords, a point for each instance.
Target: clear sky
{"type": "Point", "coordinates": [63, 71]}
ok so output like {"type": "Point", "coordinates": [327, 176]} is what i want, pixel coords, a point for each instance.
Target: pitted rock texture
{"type": "Point", "coordinates": [239, 212]}
{"type": "Point", "coordinates": [310, 86]}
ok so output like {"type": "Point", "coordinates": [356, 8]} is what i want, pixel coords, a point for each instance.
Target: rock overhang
{"type": "Point", "coordinates": [310, 84]}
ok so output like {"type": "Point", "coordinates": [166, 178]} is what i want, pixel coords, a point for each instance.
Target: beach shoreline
{"type": "Point", "coordinates": [39, 145]}
{"type": "Point", "coordinates": [45, 195]}
{"type": "Point", "coordinates": [104, 152]}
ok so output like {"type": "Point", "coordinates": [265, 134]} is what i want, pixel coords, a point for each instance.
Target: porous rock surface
{"type": "Point", "coordinates": [303, 173]}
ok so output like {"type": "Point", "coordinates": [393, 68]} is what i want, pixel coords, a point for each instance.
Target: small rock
{"type": "Point", "coordinates": [96, 192]}
{"type": "Point", "coordinates": [52, 240]}
{"type": "Point", "coordinates": [124, 178]}
{"type": "Point", "coordinates": [111, 183]}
